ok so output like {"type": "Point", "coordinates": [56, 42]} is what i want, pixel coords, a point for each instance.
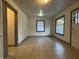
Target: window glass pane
{"type": "Point", "coordinates": [78, 14]}
{"type": "Point", "coordinates": [76, 21]}
{"type": "Point", "coordinates": [40, 29]}
{"type": "Point", "coordinates": [40, 26]}
{"type": "Point", "coordinates": [40, 23]}
{"type": "Point", "coordinates": [60, 26]}
{"type": "Point", "coordinates": [75, 18]}
{"type": "Point", "coordinates": [78, 17]}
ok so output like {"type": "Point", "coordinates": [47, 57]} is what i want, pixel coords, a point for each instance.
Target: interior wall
{"type": "Point", "coordinates": [1, 32]}
{"type": "Point", "coordinates": [32, 27]}
{"type": "Point", "coordinates": [22, 22]}
{"type": "Point", "coordinates": [67, 13]}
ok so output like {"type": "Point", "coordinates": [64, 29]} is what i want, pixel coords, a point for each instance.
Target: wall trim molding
{"type": "Point", "coordinates": [12, 45]}
{"type": "Point", "coordinates": [30, 36]}
{"type": "Point", "coordinates": [61, 40]}
{"type": "Point", "coordinates": [46, 36]}
{"type": "Point", "coordinates": [43, 36]}
{"type": "Point", "coordinates": [23, 41]}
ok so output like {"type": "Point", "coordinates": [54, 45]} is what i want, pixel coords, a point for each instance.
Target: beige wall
{"type": "Point", "coordinates": [1, 32]}
{"type": "Point", "coordinates": [32, 27]}
{"type": "Point", "coordinates": [67, 14]}
{"type": "Point", "coordinates": [22, 22]}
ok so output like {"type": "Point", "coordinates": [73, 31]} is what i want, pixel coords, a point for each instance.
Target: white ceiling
{"type": "Point", "coordinates": [32, 8]}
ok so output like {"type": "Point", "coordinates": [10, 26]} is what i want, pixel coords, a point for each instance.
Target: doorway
{"type": "Point", "coordinates": [11, 27]}
{"type": "Point", "coordinates": [74, 39]}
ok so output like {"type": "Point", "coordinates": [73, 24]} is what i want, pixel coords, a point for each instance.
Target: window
{"type": "Point", "coordinates": [40, 26]}
{"type": "Point", "coordinates": [75, 16]}
{"type": "Point", "coordinates": [60, 26]}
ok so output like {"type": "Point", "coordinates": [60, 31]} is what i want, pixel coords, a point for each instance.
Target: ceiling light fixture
{"type": "Point", "coordinates": [41, 13]}
{"type": "Point", "coordinates": [46, 1]}
{"type": "Point", "coordinates": [43, 2]}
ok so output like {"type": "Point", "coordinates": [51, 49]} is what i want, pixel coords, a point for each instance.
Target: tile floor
{"type": "Point", "coordinates": [43, 48]}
